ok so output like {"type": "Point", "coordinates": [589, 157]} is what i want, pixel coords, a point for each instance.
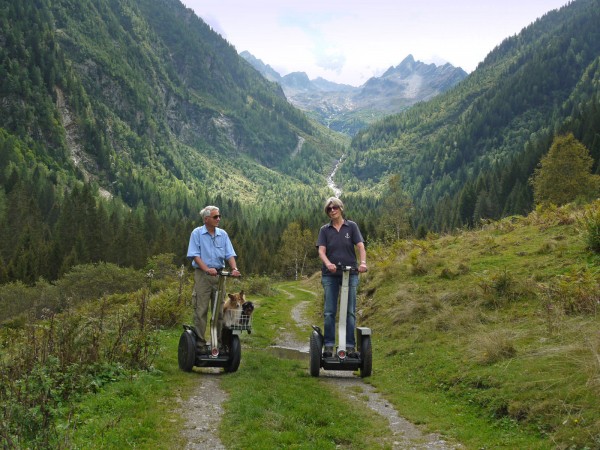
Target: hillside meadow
{"type": "Point", "coordinates": [503, 321]}
{"type": "Point", "coordinates": [489, 337]}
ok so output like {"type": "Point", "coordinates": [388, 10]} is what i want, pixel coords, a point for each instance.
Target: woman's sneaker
{"type": "Point", "coordinates": [328, 353]}
{"type": "Point", "coordinates": [352, 353]}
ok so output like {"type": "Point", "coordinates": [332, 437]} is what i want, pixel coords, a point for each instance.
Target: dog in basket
{"type": "Point", "coordinates": [235, 301]}
{"type": "Point", "coordinates": [236, 310]}
{"type": "Point", "coordinates": [247, 310]}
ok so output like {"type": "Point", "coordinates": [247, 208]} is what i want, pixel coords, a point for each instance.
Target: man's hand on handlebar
{"type": "Point", "coordinates": [216, 272]}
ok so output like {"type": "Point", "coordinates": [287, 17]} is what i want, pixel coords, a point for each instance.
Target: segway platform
{"type": "Point", "coordinates": [227, 355]}
{"type": "Point", "coordinates": [340, 360]}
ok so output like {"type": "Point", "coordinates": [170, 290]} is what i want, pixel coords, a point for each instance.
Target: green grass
{"type": "Point", "coordinates": [140, 412]}
{"type": "Point", "coordinates": [275, 403]}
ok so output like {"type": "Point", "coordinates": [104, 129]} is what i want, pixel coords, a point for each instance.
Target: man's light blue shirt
{"type": "Point", "coordinates": [213, 250]}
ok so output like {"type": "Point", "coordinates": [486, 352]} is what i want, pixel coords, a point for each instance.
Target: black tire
{"type": "Point", "coordinates": [186, 354]}
{"type": "Point", "coordinates": [316, 346]}
{"type": "Point", "coordinates": [235, 354]}
{"type": "Point", "coordinates": [366, 353]}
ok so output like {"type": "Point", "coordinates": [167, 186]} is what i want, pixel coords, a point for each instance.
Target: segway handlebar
{"type": "Point", "coordinates": [226, 273]}
{"type": "Point", "coordinates": [351, 269]}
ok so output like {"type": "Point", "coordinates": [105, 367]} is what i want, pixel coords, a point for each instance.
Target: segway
{"type": "Point", "coordinates": [340, 359]}
{"type": "Point", "coordinates": [226, 354]}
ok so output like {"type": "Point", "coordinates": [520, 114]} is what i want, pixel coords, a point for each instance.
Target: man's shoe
{"type": "Point", "coordinates": [202, 349]}
{"type": "Point", "coordinates": [328, 353]}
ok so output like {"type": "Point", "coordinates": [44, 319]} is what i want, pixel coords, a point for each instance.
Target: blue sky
{"type": "Point", "coordinates": [349, 41]}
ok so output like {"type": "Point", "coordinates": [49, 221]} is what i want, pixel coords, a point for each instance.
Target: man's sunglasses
{"type": "Point", "coordinates": [332, 208]}
{"type": "Point", "coordinates": [218, 216]}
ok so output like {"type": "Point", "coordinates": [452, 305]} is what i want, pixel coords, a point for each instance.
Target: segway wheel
{"type": "Point", "coordinates": [316, 345]}
{"type": "Point", "coordinates": [186, 354]}
{"type": "Point", "coordinates": [235, 354]}
{"type": "Point", "coordinates": [366, 353]}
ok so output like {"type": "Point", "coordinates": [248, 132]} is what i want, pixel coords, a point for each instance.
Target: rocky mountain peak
{"type": "Point", "coordinates": [336, 105]}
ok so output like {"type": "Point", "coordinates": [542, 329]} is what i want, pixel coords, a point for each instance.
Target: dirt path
{"type": "Point", "coordinates": [203, 409]}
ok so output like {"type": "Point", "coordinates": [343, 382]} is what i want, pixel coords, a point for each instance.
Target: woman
{"type": "Point", "coordinates": [337, 244]}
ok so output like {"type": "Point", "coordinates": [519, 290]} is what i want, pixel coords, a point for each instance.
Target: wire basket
{"type": "Point", "coordinates": [235, 319]}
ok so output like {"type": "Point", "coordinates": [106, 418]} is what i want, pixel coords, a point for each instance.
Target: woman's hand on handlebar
{"type": "Point", "coordinates": [331, 267]}
{"type": "Point", "coordinates": [352, 269]}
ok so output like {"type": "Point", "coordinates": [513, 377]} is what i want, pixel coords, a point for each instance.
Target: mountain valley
{"type": "Point", "coordinates": [347, 109]}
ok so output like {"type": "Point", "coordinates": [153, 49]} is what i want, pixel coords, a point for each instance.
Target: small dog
{"type": "Point", "coordinates": [247, 309]}
{"type": "Point", "coordinates": [235, 301]}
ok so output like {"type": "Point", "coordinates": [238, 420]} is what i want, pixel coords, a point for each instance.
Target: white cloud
{"type": "Point", "coordinates": [348, 41]}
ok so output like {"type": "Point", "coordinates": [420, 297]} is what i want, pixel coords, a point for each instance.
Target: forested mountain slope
{"type": "Point", "coordinates": [144, 85]}
{"type": "Point", "coordinates": [142, 104]}
{"type": "Point", "coordinates": [468, 153]}
{"type": "Point", "coordinates": [154, 109]}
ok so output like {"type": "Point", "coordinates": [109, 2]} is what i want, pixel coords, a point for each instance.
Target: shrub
{"type": "Point", "coordinates": [258, 285]}
{"type": "Point", "coordinates": [163, 266]}
{"type": "Point", "coordinates": [590, 223]}
{"type": "Point", "coordinates": [448, 274]}
{"type": "Point", "coordinates": [164, 309]}
{"type": "Point", "coordinates": [493, 347]}
{"type": "Point", "coordinates": [577, 293]}
{"type": "Point", "coordinates": [90, 281]}
{"type": "Point", "coordinates": [500, 288]}
{"type": "Point", "coordinates": [416, 262]}
{"type": "Point", "coordinates": [17, 299]}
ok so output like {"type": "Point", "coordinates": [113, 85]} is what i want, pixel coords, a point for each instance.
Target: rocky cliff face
{"type": "Point", "coordinates": [347, 108]}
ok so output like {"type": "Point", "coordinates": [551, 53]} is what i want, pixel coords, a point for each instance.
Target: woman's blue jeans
{"type": "Point", "coordinates": [332, 287]}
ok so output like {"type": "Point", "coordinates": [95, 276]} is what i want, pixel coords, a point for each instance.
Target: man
{"type": "Point", "coordinates": [336, 243]}
{"type": "Point", "coordinates": [208, 250]}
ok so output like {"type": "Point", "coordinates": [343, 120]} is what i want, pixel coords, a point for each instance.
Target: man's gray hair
{"type": "Point", "coordinates": [207, 210]}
